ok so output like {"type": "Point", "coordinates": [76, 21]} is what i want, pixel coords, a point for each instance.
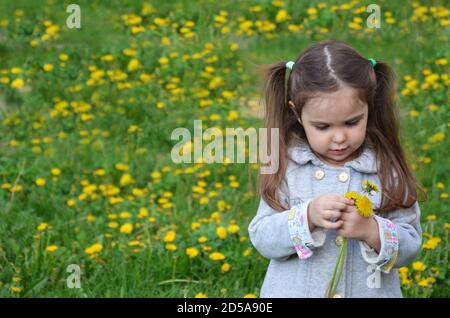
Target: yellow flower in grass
{"type": "Point", "coordinates": [15, 289]}
{"type": "Point", "coordinates": [250, 296]}
{"type": "Point", "coordinates": [52, 248]}
{"type": "Point", "coordinates": [225, 267]}
{"type": "Point", "coordinates": [42, 227]}
{"type": "Point", "coordinates": [424, 283]}
{"type": "Point", "coordinates": [113, 225]}
{"type": "Point", "coordinates": [191, 252]}
{"type": "Point", "coordinates": [216, 256]}
{"type": "Point", "coordinates": [17, 83]}
{"type": "Point", "coordinates": [432, 243]}
{"type": "Point", "coordinates": [419, 266]}
{"type": "Point", "coordinates": [201, 295]}
{"type": "Point", "coordinates": [94, 248]}
{"type": "Point", "coordinates": [221, 232]}
{"type": "Point", "coordinates": [233, 228]}
{"type": "Point", "coordinates": [169, 237]}
{"type": "Point", "coordinates": [171, 247]}
{"type": "Point", "coordinates": [48, 67]}
{"type": "Point", "coordinates": [127, 228]}
{"type": "Point", "coordinates": [40, 182]}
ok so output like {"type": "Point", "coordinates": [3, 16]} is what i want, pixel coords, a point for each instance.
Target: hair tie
{"type": "Point", "coordinates": [290, 65]}
{"type": "Point", "coordinates": [373, 62]}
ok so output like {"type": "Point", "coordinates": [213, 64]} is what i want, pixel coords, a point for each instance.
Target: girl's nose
{"type": "Point", "coordinates": [339, 138]}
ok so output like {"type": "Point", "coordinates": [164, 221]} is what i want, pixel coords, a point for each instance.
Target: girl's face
{"type": "Point", "coordinates": [335, 121]}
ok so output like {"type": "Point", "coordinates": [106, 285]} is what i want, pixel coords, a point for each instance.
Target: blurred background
{"type": "Point", "coordinates": [86, 176]}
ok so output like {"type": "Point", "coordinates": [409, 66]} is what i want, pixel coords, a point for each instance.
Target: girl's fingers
{"type": "Point", "coordinates": [345, 200]}
{"type": "Point", "coordinates": [334, 205]}
{"type": "Point", "coordinates": [332, 214]}
{"type": "Point", "coordinates": [339, 206]}
{"type": "Point", "coordinates": [332, 225]}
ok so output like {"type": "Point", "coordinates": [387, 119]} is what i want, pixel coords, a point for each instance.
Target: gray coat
{"type": "Point", "coordinates": [301, 262]}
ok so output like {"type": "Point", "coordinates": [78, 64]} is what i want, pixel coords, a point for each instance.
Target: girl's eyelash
{"type": "Point", "coordinates": [325, 127]}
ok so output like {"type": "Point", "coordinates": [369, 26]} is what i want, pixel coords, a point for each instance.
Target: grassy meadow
{"type": "Point", "coordinates": [86, 116]}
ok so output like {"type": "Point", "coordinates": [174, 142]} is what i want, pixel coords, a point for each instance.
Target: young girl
{"type": "Point", "coordinates": [338, 126]}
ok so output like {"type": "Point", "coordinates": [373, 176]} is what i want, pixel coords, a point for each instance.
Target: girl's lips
{"type": "Point", "coordinates": [338, 152]}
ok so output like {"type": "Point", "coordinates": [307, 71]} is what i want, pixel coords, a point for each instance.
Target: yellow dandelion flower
{"type": "Point", "coordinates": [419, 266]}
{"type": "Point", "coordinates": [94, 248]}
{"type": "Point", "coordinates": [225, 267]}
{"type": "Point", "coordinates": [121, 167]}
{"type": "Point", "coordinates": [364, 206]}
{"type": "Point", "coordinates": [113, 225]}
{"type": "Point", "coordinates": [42, 227]}
{"type": "Point", "coordinates": [169, 237]}
{"type": "Point", "coordinates": [201, 295]}
{"type": "Point", "coordinates": [63, 57]}
{"type": "Point", "coordinates": [195, 225]}
{"type": "Point", "coordinates": [191, 252]}
{"type": "Point", "coordinates": [247, 252]}
{"type": "Point", "coordinates": [171, 247]}
{"type": "Point", "coordinates": [369, 186]}
{"type": "Point", "coordinates": [17, 83]}
{"type": "Point", "coordinates": [48, 67]}
{"type": "Point", "coordinates": [15, 289]}
{"type": "Point", "coordinates": [127, 228]}
{"type": "Point", "coordinates": [216, 256]}
{"type": "Point", "coordinates": [233, 228]}
{"type": "Point", "coordinates": [352, 195]}
{"type": "Point", "coordinates": [52, 248]}
{"type": "Point", "coordinates": [40, 182]}
{"type": "Point", "coordinates": [221, 232]}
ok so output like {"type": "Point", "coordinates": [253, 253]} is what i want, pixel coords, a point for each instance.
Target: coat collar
{"type": "Point", "coordinates": [366, 162]}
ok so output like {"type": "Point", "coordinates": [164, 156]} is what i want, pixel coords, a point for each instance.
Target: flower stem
{"type": "Point", "coordinates": [328, 293]}
{"type": "Point", "coordinates": [341, 267]}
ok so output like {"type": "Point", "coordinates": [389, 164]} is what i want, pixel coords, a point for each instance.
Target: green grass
{"type": "Point", "coordinates": [28, 117]}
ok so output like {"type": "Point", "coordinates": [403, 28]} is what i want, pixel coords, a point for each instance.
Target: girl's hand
{"type": "Point", "coordinates": [324, 210]}
{"type": "Point", "coordinates": [356, 226]}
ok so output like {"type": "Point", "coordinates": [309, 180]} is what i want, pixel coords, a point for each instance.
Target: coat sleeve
{"type": "Point", "coordinates": [401, 239]}
{"type": "Point", "coordinates": [278, 235]}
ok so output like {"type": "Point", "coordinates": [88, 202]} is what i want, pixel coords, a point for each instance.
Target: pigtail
{"type": "Point", "coordinates": [396, 177]}
{"type": "Point", "coordinates": [277, 115]}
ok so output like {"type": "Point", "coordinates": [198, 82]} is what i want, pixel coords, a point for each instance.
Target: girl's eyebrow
{"type": "Point", "coordinates": [351, 119]}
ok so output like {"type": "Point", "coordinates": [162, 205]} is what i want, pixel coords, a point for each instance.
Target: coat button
{"type": "Point", "coordinates": [343, 176]}
{"type": "Point", "coordinates": [337, 296]}
{"type": "Point", "coordinates": [338, 240]}
{"type": "Point", "coordinates": [319, 174]}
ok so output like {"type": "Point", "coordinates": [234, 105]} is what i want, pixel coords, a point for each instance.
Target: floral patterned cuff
{"type": "Point", "coordinates": [385, 260]}
{"type": "Point", "coordinates": [299, 230]}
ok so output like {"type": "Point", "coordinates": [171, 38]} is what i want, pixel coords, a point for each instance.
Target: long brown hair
{"type": "Point", "coordinates": [325, 67]}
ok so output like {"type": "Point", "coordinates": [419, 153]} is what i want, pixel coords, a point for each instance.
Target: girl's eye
{"type": "Point", "coordinates": [353, 123]}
